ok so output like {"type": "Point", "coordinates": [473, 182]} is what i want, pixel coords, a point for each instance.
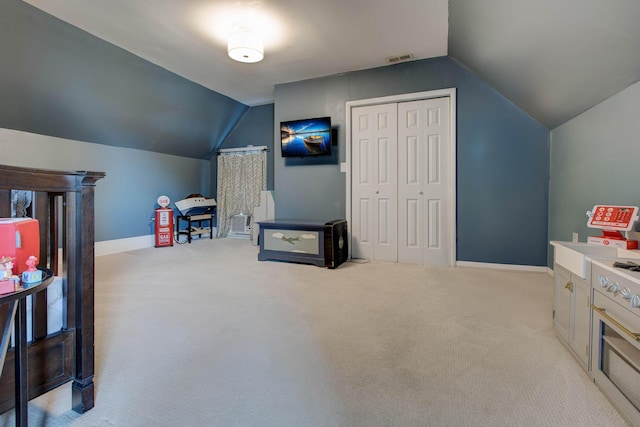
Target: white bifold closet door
{"type": "Point", "coordinates": [374, 205]}
{"type": "Point", "coordinates": [401, 188]}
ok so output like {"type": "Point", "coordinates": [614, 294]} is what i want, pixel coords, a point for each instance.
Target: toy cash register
{"type": "Point", "coordinates": [613, 220]}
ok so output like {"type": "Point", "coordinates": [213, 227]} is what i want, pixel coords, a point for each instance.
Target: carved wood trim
{"type": "Point", "coordinates": [72, 193]}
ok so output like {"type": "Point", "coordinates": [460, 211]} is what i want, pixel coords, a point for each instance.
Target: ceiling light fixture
{"type": "Point", "coordinates": [245, 46]}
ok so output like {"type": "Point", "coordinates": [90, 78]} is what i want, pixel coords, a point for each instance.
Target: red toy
{"type": "Point", "coordinates": [19, 239]}
{"type": "Point", "coordinates": [613, 220]}
{"type": "Point", "coordinates": [32, 275]}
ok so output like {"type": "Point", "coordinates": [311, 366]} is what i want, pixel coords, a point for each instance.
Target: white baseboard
{"type": "Point", "coordinates": [108, 247]}
{"type": "Point", "coordinates": [531, 268]}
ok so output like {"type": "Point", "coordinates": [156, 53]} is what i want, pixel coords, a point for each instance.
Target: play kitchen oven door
{"type": "Point", "coordinates": [615, 362]}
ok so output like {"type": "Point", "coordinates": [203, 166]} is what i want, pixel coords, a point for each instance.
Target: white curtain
{"type": "Point", "coordinates": [241, 178]}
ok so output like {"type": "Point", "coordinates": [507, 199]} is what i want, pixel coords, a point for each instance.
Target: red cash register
{"type": "Point", "coordinates": [613, 220]}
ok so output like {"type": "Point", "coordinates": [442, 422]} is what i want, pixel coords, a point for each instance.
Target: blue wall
{"type": "Point", "coordinates": [103, 108]}
{"type": "Point", "coordinates": [502, 158]}
{"type": "Point", "coordinates": [126, 198]}
{"type": "Point", "coordinates": [61, 81]}
{"type": "Point", "coordinates": [594, 160]}
{"type": "Point", "coordinates": [254, 128]}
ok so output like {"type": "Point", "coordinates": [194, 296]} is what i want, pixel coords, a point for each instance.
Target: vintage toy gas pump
{"type": "Point", "coordinates": [163, 223]}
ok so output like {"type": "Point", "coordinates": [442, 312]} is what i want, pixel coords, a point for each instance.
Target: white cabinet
{"type": "Point", "coordinates": [572, 313]}
{"type": "Point", "coordinates": [580, 337]}
{"type": "Point", "coordinates": [562, 303]}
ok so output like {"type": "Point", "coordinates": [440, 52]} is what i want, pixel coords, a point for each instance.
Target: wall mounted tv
{"type": "Point", "coordinates": [308, 137]}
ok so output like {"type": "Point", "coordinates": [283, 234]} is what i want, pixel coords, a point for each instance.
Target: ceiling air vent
{"type": "Point", "coordinates": [399, 58]}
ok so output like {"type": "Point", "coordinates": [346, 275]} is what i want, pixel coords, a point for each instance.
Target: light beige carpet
{"type": "Point", "coordinates": [205, 335]}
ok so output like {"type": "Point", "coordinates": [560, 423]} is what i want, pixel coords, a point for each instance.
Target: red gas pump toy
{"type": "Point", "coordinates": [164, 223]}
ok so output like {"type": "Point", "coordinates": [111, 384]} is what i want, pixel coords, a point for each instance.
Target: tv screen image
{"type": "Point", "coordinates": [308, 137]}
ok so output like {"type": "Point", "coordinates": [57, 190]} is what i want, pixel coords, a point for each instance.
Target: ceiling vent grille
{"type": "Point", "coordinates": [399, 58]}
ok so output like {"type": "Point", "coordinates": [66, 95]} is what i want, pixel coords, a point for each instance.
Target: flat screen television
{"type": "Point", "coordinates": [308, 137]}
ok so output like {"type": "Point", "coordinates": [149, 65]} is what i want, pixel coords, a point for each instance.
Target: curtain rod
{"type": "Point", "coordinates": [241, 149]}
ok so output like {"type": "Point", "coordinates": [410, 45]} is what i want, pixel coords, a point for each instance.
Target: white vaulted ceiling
{"type": "Point", "coordinates": [554, 59]}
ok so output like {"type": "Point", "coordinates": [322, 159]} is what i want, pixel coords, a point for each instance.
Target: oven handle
{"type": "Point", "coordinates": [634, 336]}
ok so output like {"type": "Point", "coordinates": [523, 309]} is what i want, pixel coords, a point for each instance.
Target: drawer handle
{"type": "Point", "coordinates": [634, 336]}
{"type": "Point", "coordinates": [569, 286]}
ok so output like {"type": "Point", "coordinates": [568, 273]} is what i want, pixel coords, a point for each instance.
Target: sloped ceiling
{"type": "Point", "coordinates": [554, 59]}
{"type": "Point", "coordinates": [302, 38]}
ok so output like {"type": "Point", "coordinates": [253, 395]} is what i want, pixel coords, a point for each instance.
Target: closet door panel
{"type": "Point", "coordinates": [374, 200]}
{"type": "Point", "coordinates": [423, 188]}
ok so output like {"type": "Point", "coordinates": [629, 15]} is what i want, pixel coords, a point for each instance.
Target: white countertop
{"type": "Point", "coordinates": [597, 251]}
{"type": "Point", "coordinates": [607, 264]}
{"type": "Point", "coordinates": [575, 256]}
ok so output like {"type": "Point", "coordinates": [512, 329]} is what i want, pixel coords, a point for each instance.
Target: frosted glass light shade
{"type": "Point", "coordinates": [245, 46]}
